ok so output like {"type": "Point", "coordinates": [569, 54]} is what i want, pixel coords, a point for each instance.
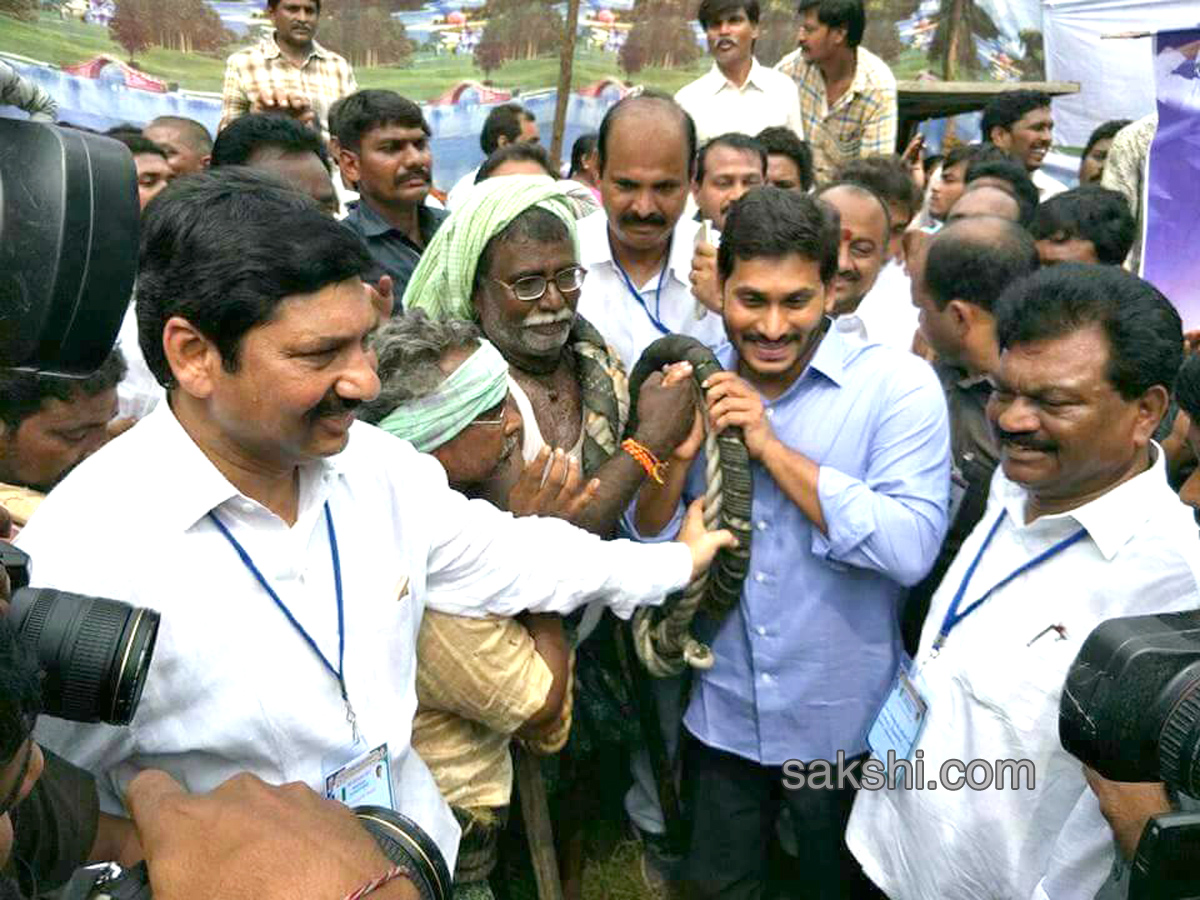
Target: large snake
{"type": "Point", "coordinates": [662, 636]}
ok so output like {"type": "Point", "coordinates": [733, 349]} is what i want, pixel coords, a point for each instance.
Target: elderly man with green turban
{"type": "Point", "coordinates": [508, 259]}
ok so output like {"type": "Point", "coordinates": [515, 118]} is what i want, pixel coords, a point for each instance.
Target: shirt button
{"type": "Point", "coordinates": [760, 577]}
{"type": "Point", "coordinates": [770, 412]}
{"type": "Point", "coordinates": [762, 632]}
{"type": "Point", "coordinates": [762, 526]}
{"type": "Point", "coordinates": [767, 679]}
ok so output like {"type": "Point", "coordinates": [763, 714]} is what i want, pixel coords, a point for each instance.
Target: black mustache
{"type": "Point", "coordinates": [648, 220]}
{"type": "Point", "coordinates": [405, 176]}
{"type": "Point", "coordinates": [756, 338]}
{"type": "Point", "coordinates": [332, 406]}
{"type": "Point", "coordinates": [849, 275]}
{"type": "Point", "coordinates": [1025, 441]}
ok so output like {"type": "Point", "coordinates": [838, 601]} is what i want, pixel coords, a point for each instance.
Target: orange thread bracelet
{"type": "Point", "coordinates": [654, 467]}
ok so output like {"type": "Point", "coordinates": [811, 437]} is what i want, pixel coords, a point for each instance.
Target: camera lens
{"type": "Point", "coordinates": [406, 844]}
{"type": "Point", "coordinates": [95, 652]}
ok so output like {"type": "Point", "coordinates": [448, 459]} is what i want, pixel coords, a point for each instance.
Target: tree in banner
{"type": "Point", "coordinates": [778, 27]}
{"type": "Point", "coordinates": [959, 22]}
{"type": "Point", "coordinates": [189, 26]}
{"type": "Point", "coordinates": [517, 29]}
{"type": "Point", "coordinates": [19, 9]}
{"type": "Point", "coordinates": [365, 32]}
{"type": "Point", "coordinates": [1033, 63]}
{"type": "Point", "coordinates": [661, 36]}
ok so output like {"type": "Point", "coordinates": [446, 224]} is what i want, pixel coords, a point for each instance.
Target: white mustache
{"type": "Point", "coordinates": [534, 320]}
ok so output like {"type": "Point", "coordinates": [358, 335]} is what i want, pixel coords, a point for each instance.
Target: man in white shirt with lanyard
{"type": "Point", "coordinates": [1081, 527]}
{"type": "Point", "coordinates": [638, 250]}
{"type": "Point", "coordinates": [290, 550]}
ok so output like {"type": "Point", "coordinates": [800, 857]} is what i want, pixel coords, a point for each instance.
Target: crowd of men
{"type": "Point", "coordinates": [369, 450]}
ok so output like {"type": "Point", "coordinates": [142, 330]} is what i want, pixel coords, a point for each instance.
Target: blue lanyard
{"type": "Point", "coordinates": [953, 616]}
{"type": "Point", "coordinates": [652, 316]}
{"type": "Point", "coordinates": [339, 672]}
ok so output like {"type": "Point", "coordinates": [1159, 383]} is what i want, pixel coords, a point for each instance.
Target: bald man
{"type": "Point", "coordinates": [985, 200]}
{"type": "Point", "coordinates": [862, 249]}
{"type": "Point", "coordinates": [187, 143]}
{"type": "Point", "coordinates": [638, 250]}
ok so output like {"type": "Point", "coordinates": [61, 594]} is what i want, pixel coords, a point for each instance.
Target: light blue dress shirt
{"type": "Point", "coordinates": [804, 662]}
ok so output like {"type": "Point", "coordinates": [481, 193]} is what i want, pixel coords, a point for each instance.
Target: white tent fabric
{"type": "Point", "coordinates": [1116, 77]}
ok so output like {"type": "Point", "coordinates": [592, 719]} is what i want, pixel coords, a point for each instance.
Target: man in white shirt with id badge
{"type": "Point", "coordinates": [1081, 526]}
{"type": "Point", "coordinates": [290, 550]}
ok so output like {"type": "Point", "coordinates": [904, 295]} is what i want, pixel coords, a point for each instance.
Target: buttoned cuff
{"type": "Point", "coordinates": [849, 522]}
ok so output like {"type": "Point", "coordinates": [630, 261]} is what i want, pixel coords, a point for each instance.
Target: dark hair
{"type": "Point", "coordinates": [137, 144]}
{"type": "Point", "coordinates": [197, 134]}
{"type": "Point", "coordinates": [862, 190]}
{"type": "Point", "coordinates": [1012, 173]}
{"type": "Point", "coordinates": [622, 107]}
{"type": "Point", "coordinates": [977, 259]}
{"type": "Point", "coordinates": [967, 153]}
{"type": "Point", "coordinates": [887, 176]}
{"type": "Point", "coordinates": [848, 14]}
{"type": "Point", "coordinates": [1104, 132]}
{"type": "Point", "coordinates": [1091, 213]}
{"type": "Point", "coordinates": [246, 135]}
{"type": "Point", "coordinates": [735, 141]}
{"type": "Point", "coordinates": [931, 162]}
{"type": "Point", "coordinates": [510, 152]}
{"type": "Point", "coordinates": [271, 4]}
{"type": "Point", "coordinates": [22, 392]}
{"type": "Point", "coordinates": [353, 116]}
{"type": "Point", "coordinates": [1007, 108]}
{"type": "Point", "coordinates": [773, 223]}
{"type": "Point", "coordinates": [222, 248]}
{"type": "Point", "coordinates": [584, 144]}
{"type": "Point", "coordinates": [534, 224]}
{"type": "Point", "coordinates": [780, 140]}
{"type": "Point", "coordinates": [711, 11]}
{"type": "Point", "coordinates": [20, 692]}
{"type": "Point", "coordinates": [1187, 386]}
{"type": "Point", "coordinates": [503, 122]}
{"type": "Point", "coordinates": [1144, 331]}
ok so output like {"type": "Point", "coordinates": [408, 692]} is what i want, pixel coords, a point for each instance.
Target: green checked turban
{"type": "Point", "coordinates": [442, 282]}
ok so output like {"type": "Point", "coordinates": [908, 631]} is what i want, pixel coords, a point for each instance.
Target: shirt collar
{"type": "Point", "coordinates": [717, 81]}
{"type": "Point", "coordinates": [829, 360]}
{"type": "Point", "coordinates": [271, 50]}
{"type": "Point", "coordinates": [1113, 518]}
{"type": "Point", "coordinates": [199, 487]}
{"type": "Point", "coordinates": [373, 225]}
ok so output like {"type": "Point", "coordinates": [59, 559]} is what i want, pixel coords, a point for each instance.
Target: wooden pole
{"type": "Point", "coordinates": [535, 809]}
{"type": "Point", "coordinates": [566, 65]}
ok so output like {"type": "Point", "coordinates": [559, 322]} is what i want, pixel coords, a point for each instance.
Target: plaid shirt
{"type": "Point", "coordinates": [861, 123]}
{"type": "Point", "coordinates": [324, 78]}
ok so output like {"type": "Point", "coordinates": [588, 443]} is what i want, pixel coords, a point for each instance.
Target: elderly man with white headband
{"type": "Point", "coordinates": [479, 681]}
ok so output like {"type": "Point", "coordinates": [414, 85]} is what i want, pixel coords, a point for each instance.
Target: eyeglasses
{"type": "Point", "coordinates": [531, 288]}
{"type": "Point", "coordinates": [493, 420]}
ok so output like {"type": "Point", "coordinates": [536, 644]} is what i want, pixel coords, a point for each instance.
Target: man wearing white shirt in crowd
{"type": "Point", "coordinates": [1020, 123]}
{"type": "Point", "coordinates": [789, 160]}
{"type": "Point", "coordinates": [864, 238]}
{"type": "Point", "coordinates": [508, 123]}
{"type": "Point", "coordinates": [1081, 526]}
{"type": "Point", "coordinates": [886, 310]}
{"type": "Point", "coordinates": [252, 504]}
{"type": "Point", "coordinates": [638, 251]}
{"type": "Point", "coordinates": [737, 93]}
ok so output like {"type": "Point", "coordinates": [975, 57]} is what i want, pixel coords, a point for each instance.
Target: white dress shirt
{"type": "Point", "coordinates": [233, 686]}
{"type": "Point", "coordinates": [462, 187]}
{"type": "Point", "coordinates": [887, 312]}
{"type": "Point", "coordinates": [139, 391]}
{"type": "Point", "coordinates": [767, 98]}
{"type": "Point", "coordinates": [993, 693]}
{"type": "Point", "coordinates": [1047, 185]}
{"type": "Point", "coordinates": [624, 322]}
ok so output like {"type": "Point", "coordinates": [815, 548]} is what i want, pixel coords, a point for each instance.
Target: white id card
{"type": "Point", "coordinates": [898, 724]}
{"type": "Point", "coordinates": [364, 781]}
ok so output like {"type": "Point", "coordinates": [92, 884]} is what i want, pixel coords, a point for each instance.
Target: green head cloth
{"type": "Point", "coordinates": [442, 282]}
{"type": "Point", "coordinates": [477, 385]}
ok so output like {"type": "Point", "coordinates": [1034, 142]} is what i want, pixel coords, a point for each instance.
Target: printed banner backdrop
{"type": "Point", "coordinates": [1170, 260]}
{"type": "Point", "coordinates": [114, 61]}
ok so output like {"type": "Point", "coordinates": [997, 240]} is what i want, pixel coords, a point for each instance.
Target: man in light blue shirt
{"type": "Point", "coordinates": [849, 443]}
